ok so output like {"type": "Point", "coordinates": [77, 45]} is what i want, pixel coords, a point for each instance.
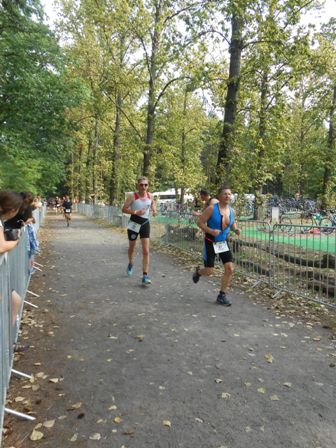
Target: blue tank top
{"type": "Point", "coordinates": [215, 222]}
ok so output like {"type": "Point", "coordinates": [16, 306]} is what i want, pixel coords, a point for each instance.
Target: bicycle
{"type": "Point", "coordinates": [311, 219]}
{"type": "Point", "coordinates": [284, 224]}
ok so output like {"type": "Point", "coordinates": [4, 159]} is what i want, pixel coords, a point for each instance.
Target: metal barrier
{"type": "Point", "coordinates": [14, 276]}
{"type": "Point", "coordinates": [111, 214]}
{"type": "Point", "coordinates": [303, 261]}
{"type": "Point", "coordinates": [293, 258]}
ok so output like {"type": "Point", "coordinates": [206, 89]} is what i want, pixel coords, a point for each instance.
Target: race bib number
{"type": "Point", "coordinates": [67, 210]}
{"type": "Point", "coordinates": [220, 247]}
{"type": "Point", "coordinates": [134, 226]}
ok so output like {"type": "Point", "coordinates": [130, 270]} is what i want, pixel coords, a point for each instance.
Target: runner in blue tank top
{"type": "Point", "coordinates": [138, 205]}
{"type": "Point", "coordinates": [216, 222]}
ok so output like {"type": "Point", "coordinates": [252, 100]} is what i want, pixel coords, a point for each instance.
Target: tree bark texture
{"type": "Point", "coordinates": [236, 47]}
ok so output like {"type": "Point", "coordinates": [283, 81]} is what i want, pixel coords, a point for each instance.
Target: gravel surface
{"type": "Point", "coordinates": [162, 366]}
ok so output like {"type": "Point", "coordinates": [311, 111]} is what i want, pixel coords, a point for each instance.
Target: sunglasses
{"type": "Point", "coordinates": [143, 185]}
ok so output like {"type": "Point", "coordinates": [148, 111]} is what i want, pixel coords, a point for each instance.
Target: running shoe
{"type": "Point", "coordinates": [196, 275]}
{"type": "Point", "coordinates": [223, 300]}
{"type": "Point", "coordinates": [130, 269]}
{"type": "Point", "coordinates": [146, 280]}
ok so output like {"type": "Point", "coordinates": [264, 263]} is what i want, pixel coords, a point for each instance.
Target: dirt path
{"type": "Point", "coordinates": [164, 366]}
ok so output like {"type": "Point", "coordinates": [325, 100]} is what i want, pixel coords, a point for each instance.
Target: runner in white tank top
{"type": "Point", "coordinates": [138, 205]}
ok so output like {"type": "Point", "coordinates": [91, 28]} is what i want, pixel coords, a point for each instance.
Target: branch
{"type": "Point", "coordinates": [126, 116]}
{"type": "Point", "coordinates": [201, 3]}
{"type": "Point", "coordinates": [165, 88]}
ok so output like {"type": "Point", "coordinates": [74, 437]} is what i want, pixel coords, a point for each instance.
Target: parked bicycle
{"type": "Point", "coordinates": [325, 221]}
{"type": "Point", "coordinates": [284, 225]}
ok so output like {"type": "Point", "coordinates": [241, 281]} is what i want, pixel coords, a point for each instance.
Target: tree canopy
{"type": "Point", "coordinates": [190, 93]}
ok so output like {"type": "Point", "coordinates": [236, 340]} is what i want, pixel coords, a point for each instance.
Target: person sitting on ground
{"type": "Point", "coordinates": [207, 199]}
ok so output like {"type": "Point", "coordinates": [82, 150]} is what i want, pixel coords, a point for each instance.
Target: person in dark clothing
{"type": "Point", "coordinates": [67, 207]}
{"type": "Point", "coordinates": [25, 213]}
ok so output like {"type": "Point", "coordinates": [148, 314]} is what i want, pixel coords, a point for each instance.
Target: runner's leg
{"type": "Point", "coordinates": [227, 276]}
{"type": "Point", "coordinates": [131, 251]}
{"type": "Point", "coordinates": [145, 254]}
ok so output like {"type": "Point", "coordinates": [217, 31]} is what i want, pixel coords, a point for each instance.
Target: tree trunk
{"type": "Point", "coordinates": [183, 140]}
{"type": "Point", "coordinates": [94, 159]}
{"type": "Point", "coordinates": [151, 91]}
{"type": "Point", "coordinates": [259, 182]}
{"type": "Point", "coordinates": [79, 190]}
{"type": "Point", "coordinates": [330, 157]}
{"type": "Point", "coordinates": [87, 170]}
{"type": "Point", "coordinates": [225, 148]}
{"type": "Point", "coordinates": [115, 157]}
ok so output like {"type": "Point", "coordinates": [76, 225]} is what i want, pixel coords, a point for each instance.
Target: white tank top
{"type": "Point", "coordinates": [139, 203]}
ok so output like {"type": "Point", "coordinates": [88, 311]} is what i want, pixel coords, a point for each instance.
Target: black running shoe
{"type": "Point", "coordinates": [196, 275]}
{"type": "Point", "coordinates": [223, 300]}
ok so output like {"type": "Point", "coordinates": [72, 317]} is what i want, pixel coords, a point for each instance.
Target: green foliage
{"type": "Point", "coordinates": [35, 94]}
{"type": "Point", "coordinates": [141, 84]}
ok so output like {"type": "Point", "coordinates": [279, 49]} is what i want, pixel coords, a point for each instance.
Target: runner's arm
{"type": "Point", "coordinates": [204, 218]}
{"type": "Point", "coordinates": [153, 208]}
{"type": "Point", "coordinates": [126, 207]}
{"type": "Point", "coordinates": [235, 229]}
{"type": "Point", "coordinates": [213, 201]}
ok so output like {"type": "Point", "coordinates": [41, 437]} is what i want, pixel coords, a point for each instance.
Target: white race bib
{"type": "Point", "coordinates": [134, 226]}
{"type": "Point", "coordinates": [220, 247]}
{"type": "Point", "coordinates": [67, 210]}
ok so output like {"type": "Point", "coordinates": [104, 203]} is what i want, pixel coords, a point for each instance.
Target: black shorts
{"type": "Point", "coordinates": [209, 255]}
{"type": "Point", "coordinates": [144, 232]}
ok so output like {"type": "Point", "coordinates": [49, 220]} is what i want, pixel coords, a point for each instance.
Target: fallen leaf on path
{"type": "Point", "coordinates": [112, 408]}
{"type": "Point", "coordinates": [36, 435]}
{"type": "Point", "coordinates": [54, 380]}
{"type": "Point", "coordinates": [225, 396]}
{"type": "Point", "coordinates": [274, 398]}
{"type": "Point", "coordinates": [74, 438]}
{"type": "Point", "coordinates": [261, 390]}
{"type": "Point", "coordinates": [117, 420]}
{"type": "Point", "coordinates": [128, 432]}
{"type": "Point", "coordinates": [49, 423]}
{"type": "Point", "coordinates": [269, 357]}
{"type": "Point", "coordinates": [76, 405]}
{"type": "Point", "coordinates": [95, 436]}
{"type": "Point", "coordinates": [167, 423]}
{"type": "Point", "coordinates": [287, 384]}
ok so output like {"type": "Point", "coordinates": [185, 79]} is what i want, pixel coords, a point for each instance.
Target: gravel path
{"type": "Point", "coordinates": [164, 366]}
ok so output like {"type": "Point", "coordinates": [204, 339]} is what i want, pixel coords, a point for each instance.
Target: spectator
{"type": "Point", "coordinates": [10, 203]}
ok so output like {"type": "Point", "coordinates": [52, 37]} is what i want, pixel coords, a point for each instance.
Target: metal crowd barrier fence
{"type": "Point", "coordinates": [111, 214]}
{"type": "Point", "coordinates": [14, 280]}
{"type": "Point", "coordinates": [293, 258]}
{"type": "Point", "coordinates": [303, 261]}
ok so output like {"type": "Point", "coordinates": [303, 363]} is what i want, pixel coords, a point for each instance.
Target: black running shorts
{"type": "Point", "coordinates": [144, 232]}
{"type": "Point", "coordinates": [209, 255]}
